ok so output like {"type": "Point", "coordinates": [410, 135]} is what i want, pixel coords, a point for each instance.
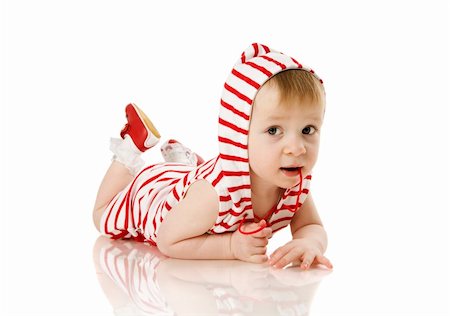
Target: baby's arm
{"type": "Point", "coordinates": [309, 240]}
{"type": "Point", "coordinates": [183, 232]}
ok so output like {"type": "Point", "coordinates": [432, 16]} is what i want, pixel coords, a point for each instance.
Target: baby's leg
{"type": "Point", "coordinates": [138, 135]}
{"type": "Point", "coordinates": [115, 180]}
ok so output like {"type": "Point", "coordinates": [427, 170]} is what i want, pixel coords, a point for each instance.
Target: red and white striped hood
{"type": "Point", "coordinates": [257, 64]}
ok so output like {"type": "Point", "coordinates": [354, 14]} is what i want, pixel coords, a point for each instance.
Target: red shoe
{"type": "Point", "coordinates": [174, 151]}
{"type": "Point", "coordinates": [140, 128]}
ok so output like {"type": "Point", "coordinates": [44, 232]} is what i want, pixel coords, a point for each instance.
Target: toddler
{"type": "Point", "coordinates": [228, 207]}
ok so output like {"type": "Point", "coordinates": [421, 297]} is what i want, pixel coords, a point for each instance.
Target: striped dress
{"type": "Point", "coordinates": [138, 210]}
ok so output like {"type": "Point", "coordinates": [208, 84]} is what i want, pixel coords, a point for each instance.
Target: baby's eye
{"type": "Point", "coordinates": [309, 130]}
{"type": "Point", "coordinates": [273, 130]}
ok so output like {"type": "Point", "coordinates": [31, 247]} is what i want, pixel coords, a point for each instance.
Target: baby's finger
{"type": "Point", "coordinates": [260, 250]}
{"type": "Point", "coordinates": [307, 260]}
{"type": "Point", "coordinates": [264, 233]}
{"type": "Point", "coordinates": [292, 256]}
{"type": "Point", "coordinates": [258, 258]}
{"type": "Point", "coordinates": [259, 242]}
{"type": "Point", "coordinates": [323, 260]}
{"type": "Point", "coordinates": [277, 259]}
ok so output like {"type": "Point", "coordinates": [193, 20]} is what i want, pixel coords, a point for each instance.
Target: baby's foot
{"type": "Point", "coordinates": [139, 128]}
{"type": "Point", "coordinates": [174, 151]}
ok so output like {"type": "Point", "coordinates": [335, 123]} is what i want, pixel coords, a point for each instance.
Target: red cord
{"type": "Point", "coordinates": [253, 232]}
{"type": "Point", "coordinates": [265, 224]}
{"type": "Point", "coordinates": [299, 193]}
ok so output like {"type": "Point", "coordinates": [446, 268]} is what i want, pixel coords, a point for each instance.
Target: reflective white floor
{"type": "Point", "coordinates": [138, 280]}
{"type": "Point", "coordinates": [127, 278]}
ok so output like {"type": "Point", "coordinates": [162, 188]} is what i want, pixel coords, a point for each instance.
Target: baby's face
{"type": "Point", "coordinates": [282, 139]}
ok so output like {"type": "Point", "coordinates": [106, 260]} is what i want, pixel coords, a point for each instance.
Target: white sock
{"type": "Point", "coordinates": [178, 153]}
{"type": "Point", "coordinates": [126, 152]}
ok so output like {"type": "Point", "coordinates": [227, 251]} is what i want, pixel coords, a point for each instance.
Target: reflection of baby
{"type": "Point", "coordinates": [127, 274]}
{"type": "Point", "coordinates": [139, 280]}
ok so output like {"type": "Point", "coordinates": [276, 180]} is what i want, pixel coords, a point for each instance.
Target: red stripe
{"type": "Point", "coordinates": [298, 64]}
{"type": "Point", "coordinates": [235, 213]}
{"type": "Point", "coordinates": [122, 234]}
{"type": "Point", "coordinates": [163, 179]}
{"type": "Point", "coordinates": [226, 225]}
{"type": "Point", "coordinates": [234, 158]}
{"type": "Point", "coordinates": [231, 142]}
{"type": "Point", "coordinates": [287, 207]}
{"type": "Point", "coordinates": [290, 207]}
{"type": "Point", "coordinates": [232, 109]}
{"type": "Point", "coordinates": [154, 223]}
{"type": "Point", "coordinates": [238, 94]}
{"type": "Point", "coordinates": [260, 68]}
{"type": "Point", "coordinates": [116, 219]}
{"type": "Point", "coordinates": [140, 215]}
{"type": "Point", "coordinates": [242, 200]}
{"type": "Point", "coordinates": [266, 49]}
{"type": "Point", "coordinates": [151, 243]}
{"type": "Point", "coordinates": [240, 187]}
{"type": "Point", "coordinates": [246, 79]}
{"type": "Point", "coordinates": [160, 174]}
{"type": "Point", "coordinates": [281, 220]}
{"type": "Point", "coordinates": [160, 211]}
{"type": "Point", "coordinates": [154, 215]}
{"type": "Point", "coordinates": [282, 66]}
{"type": "Point", "coordinates": [233, 127]}
{"type": "Point", "coordinates": [225, 198]}
{"type": "Point", "coordinates": [196, 172]}
{"type": "Point", "coordinates": [256, 49]}
{"type": "Point", "coordinates": [235, 173]}
{"type": "Point", "coordinates": [129, 203]}
{"type": "Point", "coordinates": [144, 223]}
{"type": "Point", "coordinates": [175, 194]}
{"type": "Point", "coordinates": [292, 193]}
{"type": "Point", "coordinates": [308, 177]}
{"type": "Point", "coordinates": [219, 177]}
{"type": "Point", "coordinates": [230, 211]}
{"type": "Point", "coordinates": [212, 169]}
{"type": "Point", "coordinates": [237, 204]}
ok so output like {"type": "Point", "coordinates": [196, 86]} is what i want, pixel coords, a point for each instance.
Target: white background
{"type": "Point", "coordinates": [68, 68]}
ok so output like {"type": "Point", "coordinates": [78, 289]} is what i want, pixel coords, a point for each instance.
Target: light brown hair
{"type": "Point", "coordinates": [296, 84]}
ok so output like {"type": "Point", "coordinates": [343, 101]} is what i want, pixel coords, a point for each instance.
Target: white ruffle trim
{"type": "Point", "coordinates": [126, 152]}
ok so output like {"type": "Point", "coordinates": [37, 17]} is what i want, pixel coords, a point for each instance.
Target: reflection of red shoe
{"type": "Point", "coordinates": [174, 151]}
{"type": "Point", "coordinates": [139, 128]}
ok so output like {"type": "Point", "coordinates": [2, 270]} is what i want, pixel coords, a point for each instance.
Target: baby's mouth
{"type": "Point", "coordinates": [290, 168]}
{"type": "Point", "coordinates": [290, 171]}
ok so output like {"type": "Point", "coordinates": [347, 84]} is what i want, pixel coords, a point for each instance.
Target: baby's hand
{"type": "Point", "coordinates": [299, 251]}
{"type": "Point", "coordinates": [251, 248]}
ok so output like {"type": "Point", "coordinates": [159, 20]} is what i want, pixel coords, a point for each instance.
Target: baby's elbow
{"type": "Point", "coordinates": [165, 246]}
{"type": "Point", "coordinates": [96, 216]}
